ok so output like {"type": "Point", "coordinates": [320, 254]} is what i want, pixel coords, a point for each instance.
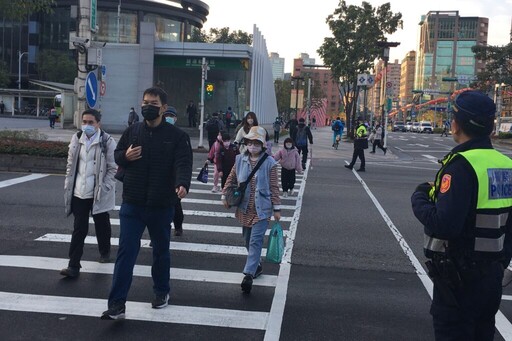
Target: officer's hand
{"type": "Point", "coordinates": [424, 187]}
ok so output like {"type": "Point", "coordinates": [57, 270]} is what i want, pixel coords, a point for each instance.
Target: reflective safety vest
{"type": "Point", "coordinates": [361, 131]}
{"type": "Point", "coordinates": [494, 202]}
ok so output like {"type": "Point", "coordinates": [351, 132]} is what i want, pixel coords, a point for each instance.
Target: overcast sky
{"type": "Point", "coordinates": [291, 27]}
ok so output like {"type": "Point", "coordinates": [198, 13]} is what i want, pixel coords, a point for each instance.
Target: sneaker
{"type": "Point", "coordinates": [115, 312]}
{"type": "Point", "coordinates": [246, 284]}
{"type": "Point", "coordinates": [70, 272]}
{"type": "Point", "coordinates": [290, 192]}
{"type": "Point", "coordinates": [178, 232]}
{"type": "Point", "coordinates": [385, 151]}
{"type": "Point", "coordinates": [361, 170]}
{"type": "Point", "coordinates": [348, 166]}
{"type": "Point", "coordinates": [372, 152]}
{"type": "Point", "coordinates": [104, 258]}
{"type": "Point", "coordinates": [215, 189]}
{"type": "Point", "coordinates": [507, 277]}
{"type": "Point", "coordinates": [285, 194]}
{"type": "Point", "coordinates": [259, 271]}
{"type": "Point", "coordinates": [160, 301]}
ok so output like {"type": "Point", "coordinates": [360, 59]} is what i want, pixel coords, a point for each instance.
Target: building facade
{"type": "Point", "coordinates": [407, 67]}
{"type": "Point", "coordinates": [444, 49]}
{"type": "Point", "coordinates": [387, 86]}
{"type": "Point", "coordinates": [277, 66]}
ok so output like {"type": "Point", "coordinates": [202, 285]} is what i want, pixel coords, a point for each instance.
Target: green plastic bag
{"type": "Point", "coordinates": [275, 249]}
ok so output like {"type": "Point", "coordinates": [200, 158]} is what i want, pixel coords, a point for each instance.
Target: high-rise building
{"type": "Point", "coordinates": [306, 60]}
{"type": "Point", "coordinates": [444, 49]}
{"type": "Point", "coordinates": [391, 84]}
{"type": "Point", "coordinates": [277, 64]}
{"type": "Point", "coordinates": [408, 67]}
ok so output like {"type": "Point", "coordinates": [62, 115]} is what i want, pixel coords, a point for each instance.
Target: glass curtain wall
{"type": "Point", "coordinates": [128, 27]}
{"type": "Point", "coordinates": [166, 29]}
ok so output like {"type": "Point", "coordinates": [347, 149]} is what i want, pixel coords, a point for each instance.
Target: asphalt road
{"type": "Point", "coordinates": [353, 268]}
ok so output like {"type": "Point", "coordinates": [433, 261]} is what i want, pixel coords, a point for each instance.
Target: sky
{"type": "Point", "coordinates": [291, 27]}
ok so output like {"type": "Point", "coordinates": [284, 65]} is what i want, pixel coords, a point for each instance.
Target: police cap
{"type": "Point", "coordinates": [475, 109]}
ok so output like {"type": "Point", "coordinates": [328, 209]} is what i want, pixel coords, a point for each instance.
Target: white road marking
{"type": "Point", "coordinates": [275, 319]}
{"type": "Point", "coordinates": [144, 243]}
{"type": "Point", "coordinates": [10, 182]}
{"type": "Point", "coordinates": [431, 158]}
{"type": "Point", "coordinates": [502, 324]}
{"type": "Point", "coordinates": [47, 263]}
{"type": "Point", "coordinates": [207, 191]}
{"type": "Point", "coordinates": [93, 307]}
{"type": "Point", "coordinates": [204, 214]}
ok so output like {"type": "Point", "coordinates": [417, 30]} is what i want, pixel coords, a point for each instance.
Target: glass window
{"type": "Point", "coordinates": [165, 29]}
{"type": "Point", "coordinates": [107, 27]}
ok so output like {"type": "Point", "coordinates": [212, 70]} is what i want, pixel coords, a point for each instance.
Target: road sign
{"type": "Point", "coordinates": [94, 10]}
{"type": "Point", "coordinates": [103, 88]}
{"type": "Point", "coordinates": [362, 79]}
{"type": "Point", "coordinates": [103, 70]}
{"type": "Point", "coordinates": [91, 89]}
{"type": "Point", "coordinates": [370, 80]}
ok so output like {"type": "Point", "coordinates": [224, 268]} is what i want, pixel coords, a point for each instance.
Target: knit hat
{"type": "Point", "coordinates": [475, 108]}
{"type": "Point", "coordinates": [171, 111]}
{"type": "Point", "coordinates": [256, 133]}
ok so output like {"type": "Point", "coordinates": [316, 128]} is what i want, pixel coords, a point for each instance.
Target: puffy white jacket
{"type": "Point", "coordinates": [90, 173]}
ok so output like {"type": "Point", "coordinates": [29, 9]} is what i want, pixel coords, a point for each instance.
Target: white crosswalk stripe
{"type": "Point", "coordinates": [219, 221]}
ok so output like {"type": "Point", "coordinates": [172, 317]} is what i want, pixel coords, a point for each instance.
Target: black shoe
{"type": "Point", "coordinates": [385, 151]}
{"type": "Point", "coordinates": [104, 258]}
{"type": "Point", "coordinates": [70, 272]}
{"type": "Point", "coordinates": [115, 312]}
{"type": "Point", "coordinates": [361, 170]}
{"type": "Point", "coordinates": [160, 301]}
{"type": "Point", "coordinates": [247, 284]}
{"type": "Point", "coordinates": [178, 232]}
{"type": "Point", "coordinates": [349, 167]}
{"type": "Point", "coordinates": [372, 152]}
{"type": "Point", "coordinates": [259, 271]}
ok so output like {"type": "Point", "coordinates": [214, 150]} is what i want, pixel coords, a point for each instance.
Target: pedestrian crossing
{"type": "Point", "coordinates": [220, 239]}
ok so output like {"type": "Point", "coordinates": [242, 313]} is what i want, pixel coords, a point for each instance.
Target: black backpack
{"type": "Point", "coordinates": [302, 137]}
{"type": "Point", "coordinates": [212, 127]}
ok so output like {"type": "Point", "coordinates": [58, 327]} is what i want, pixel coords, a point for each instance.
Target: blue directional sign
{"type": "Point", "coordinates": [91, 89]}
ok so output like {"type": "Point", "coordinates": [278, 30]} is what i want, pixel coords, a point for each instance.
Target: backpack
{"type": "Point", "coordinates": [336, 126]}
{"type": "Point", "coordinates": [212, 127]}
{"type": "Point", "coordinates": [228, 115]}
{"type": "Point", "coordinates": [301, 140]}
{"type": "Point", "coordinates": [103, 140]}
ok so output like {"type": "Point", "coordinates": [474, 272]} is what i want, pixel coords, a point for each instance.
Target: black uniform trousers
{"type": "Point", "coordinates": [358, 153]}
{"type": "Point", "coordinates": [287, 179]}
{"type": "Point", "coordinates": [178, 216]}
{"type": "Point", "coordinates": [81, 208]}
{"type": "Point", "coordinates": [478, 300]}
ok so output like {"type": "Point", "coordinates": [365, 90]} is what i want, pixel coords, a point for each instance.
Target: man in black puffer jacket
{"type": "Point", "coordinates": [157, 161]}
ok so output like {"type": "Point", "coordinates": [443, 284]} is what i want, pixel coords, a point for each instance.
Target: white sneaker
{"type": "Point", "coordinates": [290, 192]}
{"type": "Point", "coordinates": [285, 194]}
{"type": "Point", "coordinates": [215, 189]}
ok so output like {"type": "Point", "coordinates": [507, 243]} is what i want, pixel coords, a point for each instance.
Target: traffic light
{"type": "Point", "coordinates": [210, 89]}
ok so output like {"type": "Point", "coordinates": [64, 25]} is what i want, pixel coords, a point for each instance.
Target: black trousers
{"type": "Point", "coordinates": [377, 143]}
{"type": "Point", "coordinates": [304, 151]}
{"type": "Point", "coordinates": [178, 216]}
{"type": "Point", "coordinates": [358, 153]}
{"type": "Point", "coordinates": [81, 208]}
{"type": "Point", "coordinates": [287, 179]}
{"type": "Point", "coordinates": [276, 136]}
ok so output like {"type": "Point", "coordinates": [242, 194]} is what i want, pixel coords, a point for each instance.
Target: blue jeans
{"type": "Point", "coordinates": [254, 243]}
{"type": "Point", "coordinates": [134, 220]}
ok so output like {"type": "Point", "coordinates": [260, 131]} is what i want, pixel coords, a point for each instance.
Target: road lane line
{"type": "Point", "coordinates": [207, 191]}
{"type": "Point", "coordinates": [502, 324]}
{"type": "Point", "coordinates": [431, 158]}
{"type": "Point", "coordinates": [275, 318]}
{"type": "Point", "coordinates": [10, 182]}
{"type": "Point", "coordinates": [48, 263]}
{"type": "Point", "coordinates": [141, 311]}
{"type": "Point", "coordinates": [175, 246]}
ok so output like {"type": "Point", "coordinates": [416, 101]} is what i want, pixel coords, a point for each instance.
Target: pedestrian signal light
{"type": "Point", "coordinates": [210, 88]}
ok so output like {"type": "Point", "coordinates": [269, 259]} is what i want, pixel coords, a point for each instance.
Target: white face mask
{"type": "Point", "coordinates": [170, 120]}
{"type": "Point", "coordinates": [89, 130]}
{"type": "Point", "coordinates": [288, 145]}
{"type": "Point", "coordinates": [250, 121]}
{"type": "Point", "coordinates": [254, 149]}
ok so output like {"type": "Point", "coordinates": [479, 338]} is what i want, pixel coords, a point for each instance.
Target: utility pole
{"type": "Point", "coordinates": [309, 102]}
{"type": "Point", "coordinates": [204, 77]}
{"type": "Point", "coordinates": [84, 36]}
{"type": "Point", "coordinates": [20, 55]}
{"type": "Point", "coordinates": [119, 22]}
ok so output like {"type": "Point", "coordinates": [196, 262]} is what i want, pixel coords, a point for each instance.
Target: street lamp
{"type": "Point", "coordinates": [499, 100]}
{"type": "Point", "coordinates": [20, 55]}
{"type": "Point", "coordinates": [385, 45]}
{"type": "Point", "coordinates": [295, 81]}
{"type": "Point", "coordinates": [118, 22]}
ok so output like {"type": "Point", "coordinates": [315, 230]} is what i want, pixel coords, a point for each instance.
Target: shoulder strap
{"type": "Point", "coordinates": [256, 168]}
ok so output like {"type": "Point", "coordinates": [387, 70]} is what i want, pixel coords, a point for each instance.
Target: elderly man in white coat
{"type": "Point", "coordinates": [89, 188]}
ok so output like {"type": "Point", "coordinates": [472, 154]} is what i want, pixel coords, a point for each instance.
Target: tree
{"type": "Point", "coordinates": [56, 66]}
{"type": "Point", "coordinates": [498, 65]}
{"type": "Point", "coordinates": [4, 75]}
{"type": "Point", "coordinates": [283, 95]}
{"type": "Point", "coordinates": [19, 9]}
{"type": "Point", "coordinates": [353, 47]}
{"type": "Point", "coordinates": [222, 36]}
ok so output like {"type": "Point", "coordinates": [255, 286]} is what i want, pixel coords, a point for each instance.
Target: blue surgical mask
{"type": "Point", "coordinates": [89, 130]}
{"type": "Point", "coordinates": [170, 120]}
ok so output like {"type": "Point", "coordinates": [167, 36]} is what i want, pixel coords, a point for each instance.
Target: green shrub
{"type": "Point", "coordinates": [31, 142]}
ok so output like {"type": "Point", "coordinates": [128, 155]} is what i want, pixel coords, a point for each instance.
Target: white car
{"type": "Point", "coordinates": [425, 127]}
{"type": "Point", "coordinates": [408, 126]}
{"type": "Point", "coordinates": [415, 127]}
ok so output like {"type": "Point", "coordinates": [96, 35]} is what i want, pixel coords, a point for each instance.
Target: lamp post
{"type": "Point", "coordinates": [385, 45]}
{"type": "Point", "coordinates": [118, 22]}
{"type": "Point", "coordinates": [295, 82]}
{"type": "Point", "coordinates": [20, 55]}
{"type": "Point", "coordinates": [499, 100]}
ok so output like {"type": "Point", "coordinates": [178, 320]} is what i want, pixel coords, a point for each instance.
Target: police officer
{"type": "Point", "coordinates": [467, 217]}
{"type": "Point", "coordinates": [360, 144]}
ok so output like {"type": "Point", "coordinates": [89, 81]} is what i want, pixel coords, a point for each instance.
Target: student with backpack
{"type": "Point", "coordinates": [89, 187]}
{"type": "Point", "coordinates": [213, 155]}
{"type": "Point", "coordinates": [228, 117]}
{"type": "Point", "coordinates": [213, 126]}
{"type": "Point", "coordinates": [302, 136]}
{"type": "Point", "coordinates": [289, 159]}
{"type": "Point", "coordinates": [226, 158]}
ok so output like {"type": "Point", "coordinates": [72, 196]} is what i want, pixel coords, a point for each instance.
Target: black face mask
{"type": "Point", "coordinates": [150, 112]}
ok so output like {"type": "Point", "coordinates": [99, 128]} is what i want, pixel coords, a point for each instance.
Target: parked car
{"type": "Point", "coordinates": [408, 126]}
{"type": "Point", "coordinates": [398, 126]}
{"type": "Point", "coordinates": [415, 127]}
{"type": "Point", "coordinates": [425, 127]}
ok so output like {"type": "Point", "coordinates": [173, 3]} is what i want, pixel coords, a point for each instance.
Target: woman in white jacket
{"type": "Point", "coordinates": [89, 187]}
